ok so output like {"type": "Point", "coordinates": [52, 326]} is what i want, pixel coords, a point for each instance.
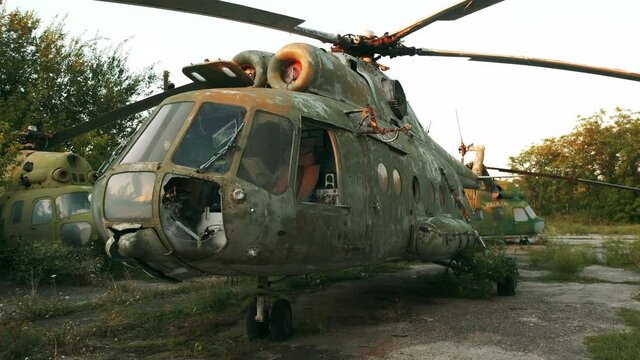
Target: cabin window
{"type": "Point", "coordinates": [416, 188]}
{"type": "Point", "coordinates": [42, 212]}
{"type": "Point", "coordinates": [266, 157]}
{"type": "Point", "coordinates": [443, 199]}
{"type": "Point", "coordinates": [317, 179]}
{"type": "Point", "coordinates": [16, 212]}
{"type": "Point", "coordinates": [397, 182]}
{"type": "Point", "coordinates": [530, 212]}
{"type": "Point", "coordinates": [159, 135]}
{"type": "Point", "coordinates": [208, 141]}
{"type": "Point", "coordinates": [73, 203]}
{"type": "Point", "coordinates": [383, 177]}
{"type": "Point", "coordinates": [431, 194]}
{"type": "Point", "coordinates": [519, 215]}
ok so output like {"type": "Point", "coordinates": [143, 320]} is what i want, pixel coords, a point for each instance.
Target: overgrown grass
{"type": "Point", "coordinates": [565, 262]}
{"type": "Point", "coordinates": [199, 319]}
{"type": "Point", "coordinates": [621, 345]}
{"type": "Point", "coordinates": [570, 225]}
{"type": "Point", "coordinates": [618, 253]}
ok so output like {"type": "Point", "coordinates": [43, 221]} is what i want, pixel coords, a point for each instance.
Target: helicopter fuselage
{"type": "Point", "coordinates": [255, 181]}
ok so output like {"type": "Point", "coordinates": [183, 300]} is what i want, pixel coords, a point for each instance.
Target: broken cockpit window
{"type": "Point", "coordinates": [209, 138]}
{"type": "Point", "coordinates": [191, 216]}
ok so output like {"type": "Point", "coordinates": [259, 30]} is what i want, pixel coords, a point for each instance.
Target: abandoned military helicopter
{"type": "Point", "coordinates": [47, 198]}
{"type": "Point", "coordinates": [506, 216]}
{"type": "Point", "coordinates": [498, 207]}
{"type": "Point", "coordinates": [289, 163]}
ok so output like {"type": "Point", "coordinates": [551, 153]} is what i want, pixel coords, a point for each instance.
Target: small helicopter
{"type": "Point", "coordinates": [498, 207]}
{"type": "Point", "coordinates": [47, 198]}
{"type": "Point", "coordinates": [282, 164]}
{"type": "Point", "coordinates": [508, 216]}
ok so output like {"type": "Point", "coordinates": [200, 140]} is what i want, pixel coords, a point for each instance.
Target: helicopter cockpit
{"type": "Point", "coordinates": [191, 155]}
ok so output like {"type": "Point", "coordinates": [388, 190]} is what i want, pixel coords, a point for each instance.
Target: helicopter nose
{"type": "Point", "coordinates": [538, 226]}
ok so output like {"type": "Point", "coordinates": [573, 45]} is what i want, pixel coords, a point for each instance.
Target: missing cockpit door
{"type": "Point", "coordinates": [317, 179]}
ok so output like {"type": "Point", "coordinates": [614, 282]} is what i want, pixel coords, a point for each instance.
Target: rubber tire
{"type": "Point", "coordinates": [281, 320]}
{"type": "Point", "coordinates": [509, 285]}
{"type": "Point", "coordinates": [255, 330]}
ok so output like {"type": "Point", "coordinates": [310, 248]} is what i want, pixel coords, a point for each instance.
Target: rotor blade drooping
{"type": "Point", "coordinates": [523, 60]}
{"type": "Point", "coordinates": [235, 12]}
{"type": "Point", "coordinates": [456, 11]}
{"type": "Point", "coordinates": [568, 178]}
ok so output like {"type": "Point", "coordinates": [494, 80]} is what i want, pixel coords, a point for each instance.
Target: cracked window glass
{"type": "Point", "coordinates": [207, 144]}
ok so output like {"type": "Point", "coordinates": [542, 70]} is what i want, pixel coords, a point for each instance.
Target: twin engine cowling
{"type": "Point", "coordinates": [303, 67]}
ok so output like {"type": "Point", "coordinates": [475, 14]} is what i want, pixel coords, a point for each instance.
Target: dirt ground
{"type": "Point", "coordinates": [385, 317]}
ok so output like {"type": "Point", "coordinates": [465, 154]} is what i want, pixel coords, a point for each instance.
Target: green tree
{"type": "Point", "coordinates": [54, 81]}
{"type": "Point", "coordinates": [600, 147]}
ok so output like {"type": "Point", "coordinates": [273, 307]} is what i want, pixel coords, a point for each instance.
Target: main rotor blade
{"type": "Point", "coordinates": [523, 60]}
{"type": "Point", "coordinates": [118, 114]}
{"type": "Point", "coordinates": [456, 11]}
{"type": "Point", "coordinates": [568, 178]}
{"type": "Point", "coordinates": [235, 12]}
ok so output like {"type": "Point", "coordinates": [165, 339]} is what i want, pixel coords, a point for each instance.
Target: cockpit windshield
{"type": "Point", "coordinates": [212, 133]}
{"type": "Point", "coordinates": [156, 139]}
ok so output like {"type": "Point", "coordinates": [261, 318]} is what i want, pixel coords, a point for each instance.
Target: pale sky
{"type": "Point", "coordinates": [504, 107]}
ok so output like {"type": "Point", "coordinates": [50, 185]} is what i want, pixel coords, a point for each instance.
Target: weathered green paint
{"type": "Point", "coordinates": [275, 234]}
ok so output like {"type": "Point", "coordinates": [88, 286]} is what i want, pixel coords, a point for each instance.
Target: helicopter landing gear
{"type": "Point", "coordinates": [260, 321]}
{"type": "Point", "coordinates": [508, 285]}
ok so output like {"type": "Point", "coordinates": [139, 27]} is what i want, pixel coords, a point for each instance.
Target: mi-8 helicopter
{"type": "Point", "coordinates": [289, 163]}
{"type": "Point", "coordinates": [47, 198]}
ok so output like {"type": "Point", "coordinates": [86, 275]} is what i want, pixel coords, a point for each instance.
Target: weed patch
{"type": "Point", "coordinates": [562, 260]}
{"type": "Point", "coordinates": [625, 254]}
{"type": "Point", "coordinates": [619, 345]}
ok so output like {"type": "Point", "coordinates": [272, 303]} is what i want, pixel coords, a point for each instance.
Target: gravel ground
{"type": "Point", "coordinates": [381, 318]}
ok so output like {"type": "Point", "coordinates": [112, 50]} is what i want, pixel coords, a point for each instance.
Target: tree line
{"type": "Point", "coordinates": [53, 80]}
{"type": "Point", "coordinates": [601, 147]}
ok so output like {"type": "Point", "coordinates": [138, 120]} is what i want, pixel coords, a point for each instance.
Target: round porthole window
{"type": "Point", "coordinates": [416, 188]}
{"type": "Point", "coordinates": [383, 177]}
{"type": "Point", "coordinates": [397, 182]}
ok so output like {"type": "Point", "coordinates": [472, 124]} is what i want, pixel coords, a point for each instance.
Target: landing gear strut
{"type": "Point", "coordinates": [277, 322]}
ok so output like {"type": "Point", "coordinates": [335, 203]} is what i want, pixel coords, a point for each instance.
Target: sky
{"type": "Point", "coordinates": [506, 108]}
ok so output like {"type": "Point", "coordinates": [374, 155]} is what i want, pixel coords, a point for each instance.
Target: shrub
{"type": "Point", "coordinates": [561, 259]}
{"type": "Point", "coordinates": [34, 261]}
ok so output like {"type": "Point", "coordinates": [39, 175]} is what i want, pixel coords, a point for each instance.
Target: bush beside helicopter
{"type": "Point", "coordinates": [289, 163]}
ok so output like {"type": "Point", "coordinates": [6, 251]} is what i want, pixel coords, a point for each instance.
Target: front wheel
{"type": "Point", "coordinates": [508, 285]}
{"type": "Point", "coordinates": [281, 320]}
